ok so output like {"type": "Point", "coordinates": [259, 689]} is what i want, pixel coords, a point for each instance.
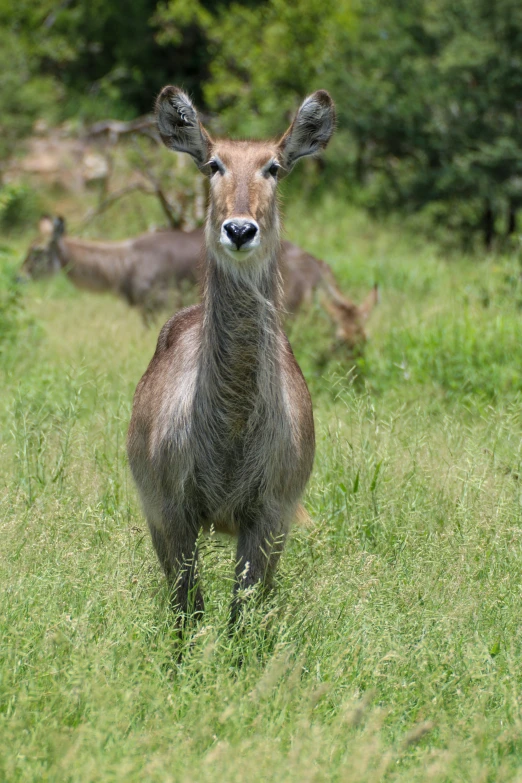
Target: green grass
{"type": "Point", "coordinates": [391, 648]}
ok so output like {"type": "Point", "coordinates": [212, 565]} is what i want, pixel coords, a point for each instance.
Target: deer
{"type": "Point", "coordinates": [141, 269]}
{"type": "Point", "coordinates": [221, 435]}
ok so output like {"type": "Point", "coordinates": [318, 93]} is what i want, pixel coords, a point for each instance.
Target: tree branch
{"type": "Point", "coordinates": [112, 198]}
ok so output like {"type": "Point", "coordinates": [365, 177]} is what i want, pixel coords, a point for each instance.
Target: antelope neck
{"type": "Point", "coordinates": [240, 329]}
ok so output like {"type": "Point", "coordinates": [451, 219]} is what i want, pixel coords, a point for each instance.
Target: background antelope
{"type": "Point", "coordinates": [304, 274]}
{"type": "Point", "coordinates": [222, 431]}
{"type": "Point", "coordinates": [141, 269]}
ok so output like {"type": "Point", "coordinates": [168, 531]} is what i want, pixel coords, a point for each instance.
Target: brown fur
{"type": "Point", "coordinates": [139, 270]}
{"type": "Point", "coordinates": [222, 431]}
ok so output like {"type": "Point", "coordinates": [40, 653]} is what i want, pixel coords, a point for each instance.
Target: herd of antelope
{"type": "Point", "coordinates": [143, 270]}
{"type": "Point", "coordinates": [222, 432]}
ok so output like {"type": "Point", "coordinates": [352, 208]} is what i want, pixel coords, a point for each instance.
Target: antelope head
{"type": "Point", "coordinates": [243, 220]}
{"type": "Point", "coordinates": [42, 259]}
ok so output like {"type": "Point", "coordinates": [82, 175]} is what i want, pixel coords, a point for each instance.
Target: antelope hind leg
{"type": "Point", "coordinates": [176, 548]}
{"type": "Point", "coordinates": [260, 545]}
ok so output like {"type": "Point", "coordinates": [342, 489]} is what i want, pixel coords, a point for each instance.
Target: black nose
{"type": "Point", "coordinates": [240, 234]}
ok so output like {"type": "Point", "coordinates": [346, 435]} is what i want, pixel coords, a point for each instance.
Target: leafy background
{"type": "Point", "coordinates": [428, 91]}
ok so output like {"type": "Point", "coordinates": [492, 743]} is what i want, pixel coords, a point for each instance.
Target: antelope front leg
{"type": "Point", "coordinates": [259, 548]}
{"type": "Point", "coordinates": [177, 552]}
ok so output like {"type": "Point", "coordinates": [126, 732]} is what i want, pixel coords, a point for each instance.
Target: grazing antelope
{"type": "Point", "coordinates": [303, 274]}
{"type": "Point", "coordinates": [141, 269]}
{"type": "Point", "coordinates": [222, 431]}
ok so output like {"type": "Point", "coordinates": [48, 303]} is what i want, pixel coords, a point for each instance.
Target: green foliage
{"type": "Point", "coordinates": [19, 206]}
{"type": "Point", "coordinates": [252, 85]}
{"type": "Point", "coordinates": [442, 83]}
{"type": "Point", "coordinates": [427, 95]}
{"type": "Point", "coordinates": [11, 314]}
{"type": "Point", "coordinates": [427, 91]}
{"type": "Point", "coordinates": [16, 325]}
{"type": "Point", "coordinates": [25, 94]}
{"type": "Point", "coordinates": [86, 61]}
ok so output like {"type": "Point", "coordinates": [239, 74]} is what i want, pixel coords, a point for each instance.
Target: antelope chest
{"type": "Point", "coordinates": [239, 456]}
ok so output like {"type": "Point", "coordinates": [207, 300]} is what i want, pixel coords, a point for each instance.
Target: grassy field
{"type": "Point", "coordinates": [391, 648]}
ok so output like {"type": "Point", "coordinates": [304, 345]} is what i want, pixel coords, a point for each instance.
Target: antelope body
{"type": "Point", "coordinates": [141, 269]}
{"type": "Point", "coordinates": [137, 269]}
{"type": "Point", "coordinates": [222, 431]}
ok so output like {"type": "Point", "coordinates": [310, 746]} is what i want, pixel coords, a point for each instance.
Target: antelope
{"type": "Point", "coordinates": [222, 432]}
{"type": "Point", "coordinates": [140, 269]}
{"type": "Point", "coordinates": [137, 269]}
{"type": "Point", "coordinates": [303, 274]}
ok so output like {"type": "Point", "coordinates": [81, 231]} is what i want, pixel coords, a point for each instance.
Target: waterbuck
{"type": "Point", "coordinates": [304, 274]}
{"type": "Point", "coordinates": [222, 431]}
{"type": "Point", "coordinates": [141, 269]}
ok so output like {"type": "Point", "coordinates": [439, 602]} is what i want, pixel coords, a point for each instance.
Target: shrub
{"type": "Point", "coordinates": [19, 206]}
{"type": "Point", "coordinates": [15, 322]}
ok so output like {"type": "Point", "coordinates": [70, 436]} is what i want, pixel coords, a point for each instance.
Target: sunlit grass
{"type": "Point", "coordinates": [391, 647]}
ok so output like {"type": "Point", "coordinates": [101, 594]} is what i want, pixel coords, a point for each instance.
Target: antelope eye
{"type": "Point", "coordinates": [274, 168]}
{"type": "Point", "coordinates": [215, 167]}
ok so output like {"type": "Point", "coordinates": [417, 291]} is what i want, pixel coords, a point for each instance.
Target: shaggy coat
{"type": "Point", "coordinates": [222, 432]}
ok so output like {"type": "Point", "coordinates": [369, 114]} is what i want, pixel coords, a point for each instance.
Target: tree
{"type": "Point", "coordinates": [428, 94]}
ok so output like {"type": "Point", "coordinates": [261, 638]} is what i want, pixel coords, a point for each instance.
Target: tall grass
{"type": "Point", "coordinates": [391, 646]}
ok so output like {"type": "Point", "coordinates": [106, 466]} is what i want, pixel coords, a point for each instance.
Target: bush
{"type": "Point", "coordinates": [19, 206]}
{"type": "Point", "coordinates": [15, 322]}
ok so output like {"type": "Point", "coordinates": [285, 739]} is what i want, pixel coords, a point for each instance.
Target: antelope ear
{"type": "Point", "coordinates": [179, 125]}
{"type": "Point", "coordinates": [58, 228]}
{"type": "Point", "coordinates": [310, 131]}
